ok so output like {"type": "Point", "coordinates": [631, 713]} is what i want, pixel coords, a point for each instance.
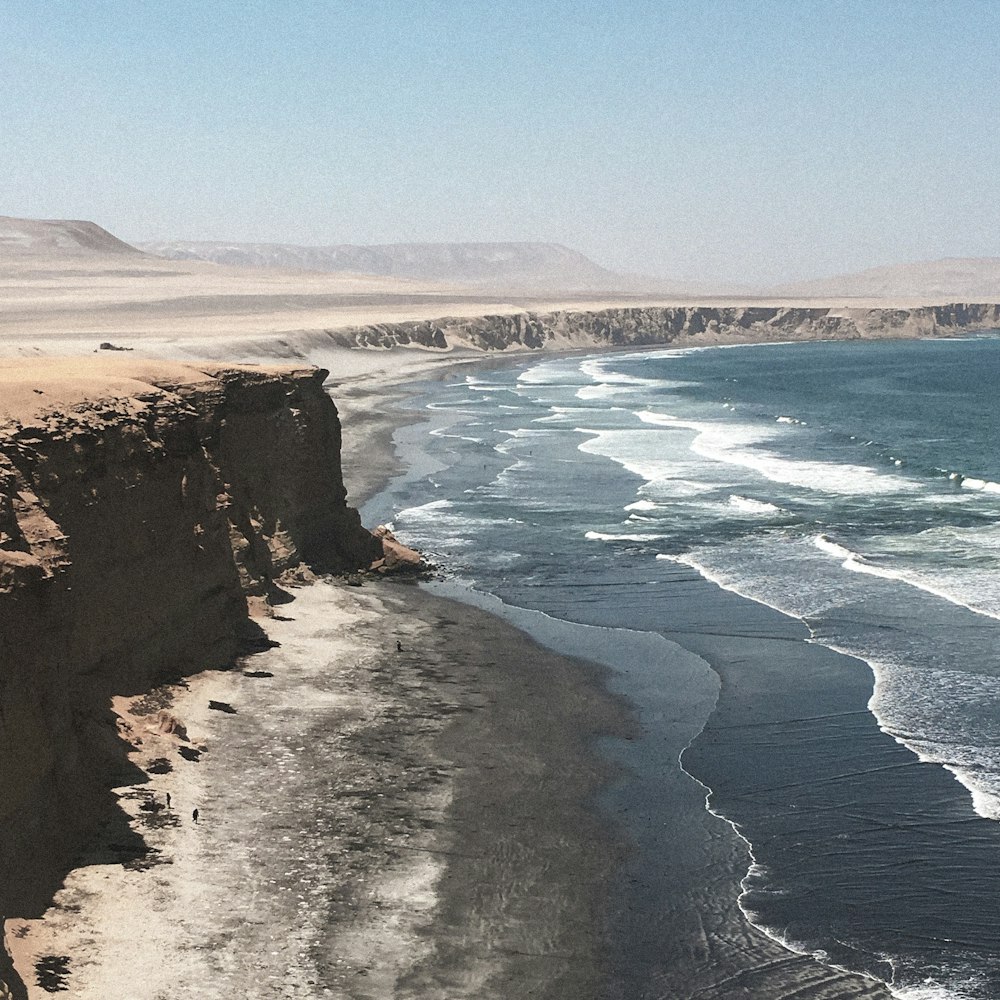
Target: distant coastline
{"type": "Point", "coordinates": [651, 325]}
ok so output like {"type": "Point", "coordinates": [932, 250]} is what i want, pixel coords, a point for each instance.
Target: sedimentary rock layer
{"type": "Point", "coordinates": [680, 325]}
{"type": "Point", "coordinates": [133, 529]}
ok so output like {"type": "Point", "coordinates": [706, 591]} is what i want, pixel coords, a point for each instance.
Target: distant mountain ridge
{"type": "Point", "coordinates": [501, 267]}
{"type": "Point", "coordinates": [37, 237]}
{"type": "Point", "coordinates": [956, 279]}
{"type": "Point", "coordinates": [483, 264]}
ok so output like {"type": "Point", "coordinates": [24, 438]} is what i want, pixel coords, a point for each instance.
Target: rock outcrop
{"type": "Point", "coordinates": [133, 529]}
{"type": "Point", "coordinates": [397, 557]}
{"type": "Point", "coordinates": [675, 325]}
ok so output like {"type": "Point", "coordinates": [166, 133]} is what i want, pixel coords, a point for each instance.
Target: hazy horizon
{"type": "Point", "coordinates": [703, 141]}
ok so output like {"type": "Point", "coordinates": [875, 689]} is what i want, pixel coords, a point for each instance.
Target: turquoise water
{"type": "Point", "coordinates": [850, 492]}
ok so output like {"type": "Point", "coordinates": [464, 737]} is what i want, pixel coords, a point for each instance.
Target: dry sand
{"type": "Point", "coordinates": [69, 305]}
{"type": "Point", "coordinates": [33, 386]}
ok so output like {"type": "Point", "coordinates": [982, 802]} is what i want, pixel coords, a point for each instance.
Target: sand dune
{"type": "Point", "coordinates": [954, 279]}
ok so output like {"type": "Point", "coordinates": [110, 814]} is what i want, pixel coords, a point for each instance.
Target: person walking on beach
{"type": "Point", "coordinates": [194, 815]}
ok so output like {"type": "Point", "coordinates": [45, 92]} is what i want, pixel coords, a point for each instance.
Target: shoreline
{"type": "Point", "coordinates": [761, 959]}
{"type": "Point", "coordinates": [409, 902]}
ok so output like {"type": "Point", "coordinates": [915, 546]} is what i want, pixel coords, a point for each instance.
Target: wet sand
{"type": "Point", "coordinates": [676, 928]}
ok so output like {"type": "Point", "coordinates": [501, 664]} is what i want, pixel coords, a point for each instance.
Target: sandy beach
{"type": "Point", "coordinates": [371, 821]}
{"type": "Point", "coordinates": [675, 926]}
{"type": "Point", "coordinates": [396, 799]}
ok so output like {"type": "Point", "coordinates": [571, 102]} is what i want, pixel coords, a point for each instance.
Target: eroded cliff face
{"type": "Point", "coordinates": [132, 532]}
{"type": "Point", "coordinates": [680, 325]}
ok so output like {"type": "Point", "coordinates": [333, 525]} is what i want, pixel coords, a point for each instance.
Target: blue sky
{"type": "Point", "coordinates": [699, 139]}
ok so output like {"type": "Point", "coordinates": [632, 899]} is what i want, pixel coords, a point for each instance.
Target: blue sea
{"type": "Point", "coordinates": [789, 557]}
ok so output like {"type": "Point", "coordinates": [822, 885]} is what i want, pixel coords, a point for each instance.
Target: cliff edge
{"type": "Point", "coordinates": [680, 326]}
{"type": "Point", "coordinates": [141, 506]}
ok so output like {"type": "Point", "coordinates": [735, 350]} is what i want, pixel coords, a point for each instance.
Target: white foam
{"type": "Point", "coordinates": [441, 432]}
{"type": "Point", "coordinates": [454, 406]}
{"type": "Point", "coordinates": [930, 989]}
{"type": "Point", "coordinates": [935, 711]}
{"type": "Point", "coordinates": [635, 450]}
{"type": "Point", "coordinates": [642, 505]}
{"type": "Point", "coordinates": [600, 536]}
{"type": "Point", "coordinates": [667, 420]}
{"type": "Point", "coordinates": [856, 563]}
{"type": "Point", "coordinates": [927, 710]}
{"type": "Point", "coordinates": [422, 508]}
{"type": "Point", "coordinates": [748, 505]}
{"type": "Point", "coordinates": [559, 414]}
{"type": "Point", "coordinates": [731, 444]}
{"type": "Point", "coordinates": [549, 373]}
{"type": "Point", "coordinates": [982, 485]}
{"type": "Point", "coordinates": [597, 369]}
{"type": "Point", "coordinates": [603, 389]}
{"type": "Point", "coordinates": [518, 434]}
{"type": "Point", "coordinates": [722, 581]}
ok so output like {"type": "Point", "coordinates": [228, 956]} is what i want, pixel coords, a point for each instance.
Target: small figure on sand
{"type": "Point", "coordinates": [399, 646]}
{"type": "Point", "coordinates": [168, 800]}
{"type": "Point", "coordinates": [194, 815]}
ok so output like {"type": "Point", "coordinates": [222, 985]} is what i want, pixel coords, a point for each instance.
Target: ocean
{"type": "Point", "coordinates": [788, 556]}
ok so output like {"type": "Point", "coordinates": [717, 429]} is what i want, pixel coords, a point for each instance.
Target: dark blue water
{"type": "Point", "coordinates": [850, 490]}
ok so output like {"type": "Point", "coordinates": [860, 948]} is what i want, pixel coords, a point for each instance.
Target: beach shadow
{"type": "Point", "coordinates": [52, 972]}
{"type": "Point", "coordinates": [276, 596]}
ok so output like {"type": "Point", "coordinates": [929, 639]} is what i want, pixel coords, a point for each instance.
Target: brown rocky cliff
{"type": "Point", "coordinates": [132, 531]}
{"type": "Point", "coordinates": [677, 325]}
